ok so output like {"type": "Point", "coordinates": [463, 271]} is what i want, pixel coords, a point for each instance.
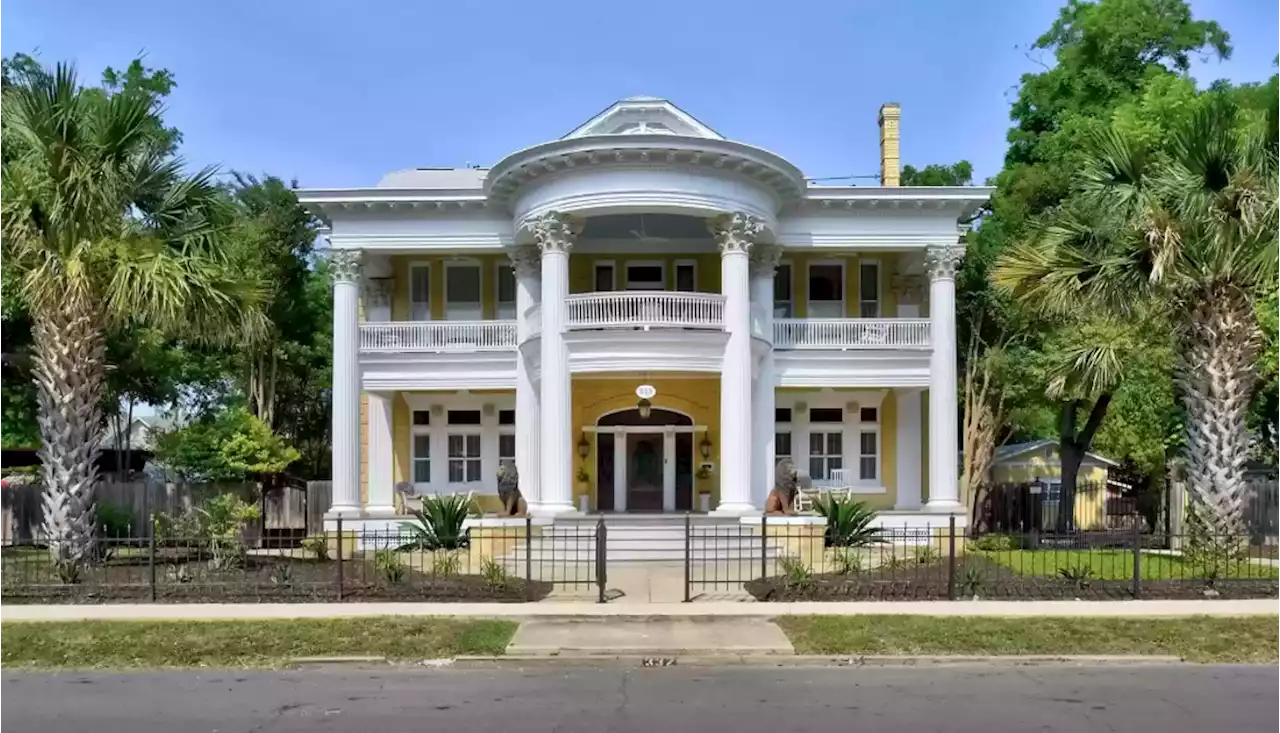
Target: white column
{"type": "Point", "coordinates": [944, 487]}
{"type": "Point", "coordinates": [527, 265]}
{"type": "Point", "coordinates": [800, 436]}
{"type": "Point", "coordinates": [735, 234]}
{"type": "Point", "coordinates": [381, 485]}
{"type": "Point", "coordinates": [344, 270]}
{"type": "Point", "coordinates": [669, 469]}
{"type": "Point", "coordinates": [554, 233]}
{"type": "Point", "coordinates": [620, 471]}
{"type": "Point", "coordinates": [764, 265]}
{"type": "Point", "coordinates": [907, 447]}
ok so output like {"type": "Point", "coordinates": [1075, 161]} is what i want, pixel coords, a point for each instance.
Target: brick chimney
{"type": "Point", "coordinates": [890, 159]}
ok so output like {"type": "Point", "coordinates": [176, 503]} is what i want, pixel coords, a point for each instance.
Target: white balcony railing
{"type": "Point", "coordinates": [645, 308]}
{"type": "Point", "coordinates": [438, 336]}
{"type": "Point", "coordinates": [851, 333]}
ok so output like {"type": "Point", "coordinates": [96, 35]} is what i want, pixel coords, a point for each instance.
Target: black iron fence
{"type": "Point", "coordinates": [516, 561]}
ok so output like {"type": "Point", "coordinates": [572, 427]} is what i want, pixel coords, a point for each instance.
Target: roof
{"type": "Point", "coordinates": [1013, 450]}
{"type": "Point", "coordinates": [435, 178]}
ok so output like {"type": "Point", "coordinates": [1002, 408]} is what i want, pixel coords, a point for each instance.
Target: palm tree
{"type": "Point", "coordinates": [1189, 234]}
{"type": "Point", "coordinates": [102, 227]}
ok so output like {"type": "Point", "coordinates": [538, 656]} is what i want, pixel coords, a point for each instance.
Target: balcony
{"type": "Point", "coordinates": [844, 334]}
{"type": "Point", "coordinates": [644, 310]}
{"type": "Point", "coordinates": [437, 336]}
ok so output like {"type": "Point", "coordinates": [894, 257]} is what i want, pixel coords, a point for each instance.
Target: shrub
{"type": "Point", "coordinates": [387, 563]}
{"type": "Point", "coordinates": [995, 543]}
{"type": "Point", "coordinates": [495, 576]}
{"type": "Point", "coordinates": [439, 523]}
{"type": "Point", "coordinates": [972, 580]}
{"type": "Point", "coordinates": [795, 573]}
{"type": "Point", "coordinates": [68, 570]}
{"type": "Point", "coordinates": [896, 563]}
{"type": "Point", "coordinates": [446, 563]}
{"type": "Point", "coordinates": [179, 574]}
{"type": "Point", "coordinates": [846, 561]}
{"type": "Point", "coordinates": [927, 555]}
{"type": "Point", "coordinates": [318, 545]}
{"type": "Point", "coordinates": [1080, 575]}
{"type": "Point", "coordinates": [1210, 557]}
{"type": "Point", "coordinates": [849, 521]}
{"type": "Point", "coordinates": [114, 522]}
{"type": "Point", "coordinates": [282, 574]}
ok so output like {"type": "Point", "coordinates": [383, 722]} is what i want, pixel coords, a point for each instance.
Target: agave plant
{"type": "Point", "coordinates": [849, 521]}
{"type": "Point", "coordinates": [439, 523]}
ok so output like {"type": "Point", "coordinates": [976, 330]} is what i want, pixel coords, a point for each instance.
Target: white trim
{"type": "Point", "coordinates": [439, 430]}
{"type": "Point", "coordinates": [626, 274]}
{"type": "Point", "coordinates": [613, 275]}
{"type": "Point", "coordinates": [844, 287]}
{"type": "Point", "coordinates": [416, 315]}
{"type": "Point", "coordinates": [675, 276]}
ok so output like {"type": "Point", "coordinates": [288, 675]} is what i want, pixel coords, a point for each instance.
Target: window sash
{"type": "Point", "coordinates": [506, 279]}
{"type": "Point", "coordinates": [869, 285]}
{"type": "Point", "coordinates": [421, 458]}
{"type": "Point", "coordinates": [420, 292]}
{"type": "Point", "coordinates": [782, 444]}
{"type": "Point", "coordinates": [462, 292]}
{"type": "Point", "coordinates": [464, 457]}
{"type": "Point", "coordinates": [826, 453]}
{"type": "Point", "coordinates": [506, 446]}
{"type": "Point", "coordinates": [686, 277]}
{"type": "Point", "coordinates": [869, 455]}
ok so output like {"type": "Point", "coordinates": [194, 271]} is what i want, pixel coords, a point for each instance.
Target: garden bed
{"type": "Point", "coordinates": [262, 579]}
{"type": "Point", "coordinates": [985, 577]}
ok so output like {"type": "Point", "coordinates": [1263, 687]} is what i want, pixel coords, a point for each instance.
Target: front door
{"type": "Point", "coordinates": [644, 472]}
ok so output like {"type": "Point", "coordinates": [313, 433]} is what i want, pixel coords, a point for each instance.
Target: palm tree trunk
{"type": "Point", "coordinates": [70, 377]}
{"type": "Point", "coordinates": [1215, 375]}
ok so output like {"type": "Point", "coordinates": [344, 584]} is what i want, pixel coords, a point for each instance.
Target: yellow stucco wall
{"type": "Point", "coordinates": [582, 268]}
{"type": "Point", "coordinates": [697, 397]}
{"type": "Point", "coordinates": [800, 281]}
{"type": "Point", "coordinates": [401, 264]}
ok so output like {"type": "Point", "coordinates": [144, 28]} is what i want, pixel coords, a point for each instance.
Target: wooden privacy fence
{"type": "Point", "coordinates": [290, 510]}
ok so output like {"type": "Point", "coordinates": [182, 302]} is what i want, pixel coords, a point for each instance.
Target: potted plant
{"type": "Point", "coordinates": [583, 478]}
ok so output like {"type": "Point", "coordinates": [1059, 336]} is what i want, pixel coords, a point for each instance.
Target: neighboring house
{"type": "Point", "coordinates": [1039, 460]}
{"type": "Point", "coordinates": [141, 434]}
{"type": "Point", "coordinates": [641, 314]}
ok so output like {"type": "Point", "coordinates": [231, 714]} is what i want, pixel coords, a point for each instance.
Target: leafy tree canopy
{"type": "Point", "coordinates": [228, 445]}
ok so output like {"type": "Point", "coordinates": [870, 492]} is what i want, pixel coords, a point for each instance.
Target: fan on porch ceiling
{"type": "Point", "coordinates": [642, 235]}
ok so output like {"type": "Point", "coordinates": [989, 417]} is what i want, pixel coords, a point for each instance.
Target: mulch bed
{"type": "Point", "coordinates": [262, 580]}
{"type": "Point", "coordinates": [929, 582]}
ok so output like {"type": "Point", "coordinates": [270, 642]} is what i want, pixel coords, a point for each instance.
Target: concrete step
{"type": "Point", "coordinates": [635, 555]}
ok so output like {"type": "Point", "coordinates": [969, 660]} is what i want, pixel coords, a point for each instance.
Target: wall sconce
{"type": "Point", "coordinates": [487, 409]}
{"type": "Point", "coordinates": [437, 410]}
{"type": "Point", "coordinates": [704, 446]}
{"type": "Point", "coordinates": [801, 407]}
{"type": "Point", "coordinates": [645, 407]}
{"type": "Point", "coordinates": [584, 447]}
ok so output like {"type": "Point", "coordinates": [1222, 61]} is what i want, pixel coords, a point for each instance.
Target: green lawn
{"type": "Point", "coordinates": [1117, 564]}
{"type": "Point", "coordinates": [149, 644]}
{"type": "Point", "coordinates": [1198, 639]}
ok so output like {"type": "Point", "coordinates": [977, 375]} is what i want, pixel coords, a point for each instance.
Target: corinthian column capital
{"type": "Point", "coordinates": [554, 231]}
{"type": "Point", "coordinates": [764, 260]}
{"type": "Point", "coordinates": [526, 260]}
{"type": "Point", "coordinates": [735, 232]}
{"type": "Point", "coordinates": [941, 262]}
{"type": "Point", "coordinates": [344, 265]}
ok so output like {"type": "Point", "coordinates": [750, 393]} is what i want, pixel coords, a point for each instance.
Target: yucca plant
{"type": "Point", "coordinates": [439, 523]}
{"type": "Point", "coordinates": [850, 523]}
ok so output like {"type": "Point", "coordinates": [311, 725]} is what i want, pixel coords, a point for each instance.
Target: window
{"type": "Point", "coordinates": [782, 414]}
{"type": "Point", "coordinates": [421, 417]}
{"type": "Point", "coordinates": [826, 291]}
{"type": "Point", "coordinates": [869, 414]}
{"type": "Point", "coordinates": [781, 445]}
{"type": "Point", "coordinates": [826, 453]}
{"type": "Point", "coordinates": [462, 292]}
{"type": "Point", "coordinates": [868, 454]}
{"type": "Point", "coordinates": [464, 417]}
{"type": "Point", "coordinates": [464, 457]}
{"type": "Point", "coordinates": [506, 417]}
{"type": "Point", "coordinates": [1053, 491]}
{"type": "Point", "coordinates": [826, 414]}
{"type": "Point", "coordinates": [420, 293]}
{"type": "Point", "coordinates": [687, 276]}
{"type": "Point", "coordinates": [506, 447]}
{"type": "Point", "coordinates": [869, 290]}
{"type": "Point", "coordinates": [782, 303]}
{"type": "Point", "coordinates": [605, 280]}
{"type": "Point", "coordinates": [645, 276]}
{"type": "Point", "coordinates": [506, 293]}
{"type": "Point", "coordinates": [421, 459]}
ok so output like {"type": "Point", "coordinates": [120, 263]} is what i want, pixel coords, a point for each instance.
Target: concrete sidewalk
{"type": "Point", "coordinates": [160, 611]}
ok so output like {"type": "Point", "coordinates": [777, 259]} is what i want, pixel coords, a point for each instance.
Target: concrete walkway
{"type": "Point", "coordinates": [621, 608]}
{"type": "Point", "coordinates": [657, 637]}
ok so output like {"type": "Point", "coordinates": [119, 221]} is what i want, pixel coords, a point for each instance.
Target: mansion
{"type": "Point", "coordinates": [645, 316]}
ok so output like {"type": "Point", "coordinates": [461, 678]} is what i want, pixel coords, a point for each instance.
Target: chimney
{"type": "Point", "coordinates": [890, 115]}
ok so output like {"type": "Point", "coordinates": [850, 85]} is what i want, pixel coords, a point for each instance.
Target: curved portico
{"type": "Point", "coordinates": [643, 247]}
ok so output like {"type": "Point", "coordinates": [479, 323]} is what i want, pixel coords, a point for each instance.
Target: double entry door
{"type": "Point", "coordinates": [644, 471]}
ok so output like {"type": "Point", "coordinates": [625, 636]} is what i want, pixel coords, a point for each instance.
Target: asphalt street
{"type": "Point", "coordinates": [1169, 699]}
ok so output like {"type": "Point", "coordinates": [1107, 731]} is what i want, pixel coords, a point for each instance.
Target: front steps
{"type": "Point", "coordinates": [636, 538]}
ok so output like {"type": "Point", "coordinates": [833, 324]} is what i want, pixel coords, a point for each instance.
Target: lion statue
{"type": "Point", "coordinates": [513, 504]}
{"type": "Point", "coordinates": [782, 499]}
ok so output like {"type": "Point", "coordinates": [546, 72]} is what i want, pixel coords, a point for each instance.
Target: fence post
{"type": "Point", "coordinates": [151, 555]}
{"type": "Point", "coordinates": [951, 558]}
{"type": "Point", "coordinates": [528, 558]}
{"type": "Point", "coordinates": [764, 545]}
{"type": "Point", "coordinates": [688, 560]}
{"type": "Point", "coordinates": [340, 540]}
{"type": "Point", "coordinates": [1137, 558]}
{"type": "Point", "coordinates": [602, 541]}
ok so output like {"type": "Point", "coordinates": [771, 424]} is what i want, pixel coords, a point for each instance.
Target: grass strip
{"type": "Point", "coordinates": [1196, 639]}
{"type": "Point", "coordinates": [155, 644]}
{"type": "Point", "coordinates": [1118, 565]}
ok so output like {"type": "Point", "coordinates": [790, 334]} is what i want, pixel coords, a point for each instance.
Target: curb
{"type": "Point", "coordinates": [809, 660]}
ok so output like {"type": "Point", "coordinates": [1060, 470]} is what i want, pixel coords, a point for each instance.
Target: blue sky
{"type": "Point", "coordinates": [337, 93]}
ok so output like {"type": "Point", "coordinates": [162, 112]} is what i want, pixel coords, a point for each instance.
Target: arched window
{"type": "Point", "coordinates": [657, 417]}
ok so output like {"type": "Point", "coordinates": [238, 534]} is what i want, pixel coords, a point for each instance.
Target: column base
{"type": "Point", "coordinates": [734, 510]}
{"type": "Point", "coordinates": [346, 511]}
{"type": "Point", "coordinates": [553, 510]}
{"type": "Point", "coordinates": [944, 506]}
